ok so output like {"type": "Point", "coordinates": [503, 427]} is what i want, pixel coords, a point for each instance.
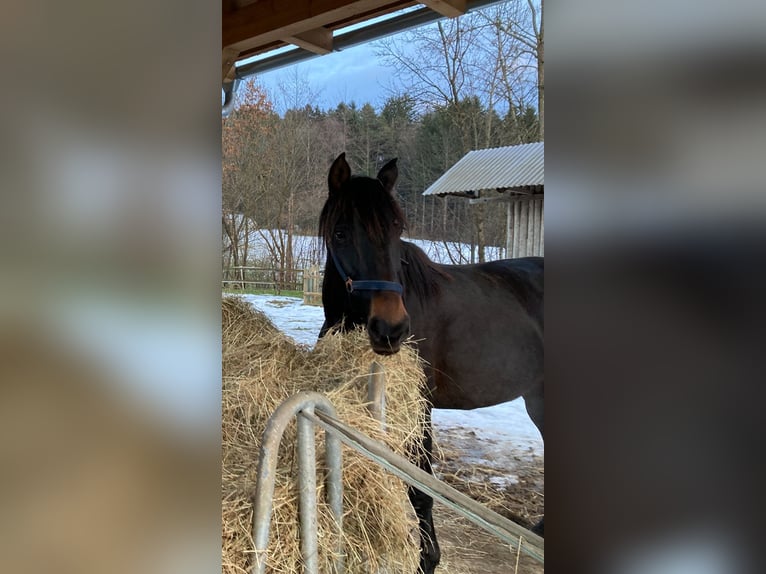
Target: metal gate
{"type": "Point", "coordinates": [310, 409]}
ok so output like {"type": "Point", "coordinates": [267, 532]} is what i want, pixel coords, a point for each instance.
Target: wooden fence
{"type": "Point", "coordinates": [242, 277]}
{"type": "Point", "coordinates": [312, 285]}
{"type": "Point", "coordinates": [308, 280]}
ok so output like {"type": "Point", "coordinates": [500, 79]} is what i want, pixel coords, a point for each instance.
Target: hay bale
{"type": "Point", "coordinates": [262, 368]}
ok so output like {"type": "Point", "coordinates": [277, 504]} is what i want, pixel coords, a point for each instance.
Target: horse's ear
{"type": "Point", "coordinates": [340, 173]}
{"type": "Point", "coordinates": [388, 175]}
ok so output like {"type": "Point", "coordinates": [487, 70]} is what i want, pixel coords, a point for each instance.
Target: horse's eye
{"type": "Point", "coordinates": [339, 235]}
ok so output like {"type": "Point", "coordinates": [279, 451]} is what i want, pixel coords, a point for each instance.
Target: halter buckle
{"type": "Point", "coordinates": [349, 285]}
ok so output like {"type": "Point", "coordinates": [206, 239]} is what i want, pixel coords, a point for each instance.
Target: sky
{"type": "Point", "coordinates": [355, 74]}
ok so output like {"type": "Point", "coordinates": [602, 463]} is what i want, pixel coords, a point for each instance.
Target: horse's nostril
{"type": "Point", "coordinates": [383, 333]}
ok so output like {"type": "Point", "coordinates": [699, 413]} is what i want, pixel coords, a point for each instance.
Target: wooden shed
{"type": "Point", "coordinates": [513, 175]}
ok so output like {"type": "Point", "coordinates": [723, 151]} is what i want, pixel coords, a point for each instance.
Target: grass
{"type": "Point", "coordinates": [285, 292]}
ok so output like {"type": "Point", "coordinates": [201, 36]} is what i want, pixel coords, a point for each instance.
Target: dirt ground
{"type": "Point", "coordinates": [515, 492]}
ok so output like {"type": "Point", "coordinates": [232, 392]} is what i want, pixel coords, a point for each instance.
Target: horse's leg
{"type": "Point", "coordinates": [430, 553]}
{"type": "Point", "coordinates": [534, 403]}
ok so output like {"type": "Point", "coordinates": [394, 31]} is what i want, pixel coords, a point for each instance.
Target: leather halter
{"type": "Point", "coordinates": [365, 284]}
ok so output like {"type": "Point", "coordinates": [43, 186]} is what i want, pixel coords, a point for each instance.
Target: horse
{"type": "Point", "coordinates": [478, 328]}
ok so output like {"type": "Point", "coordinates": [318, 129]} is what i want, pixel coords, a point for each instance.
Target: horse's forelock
{"type": "Point", "coordinates": [371, 205]}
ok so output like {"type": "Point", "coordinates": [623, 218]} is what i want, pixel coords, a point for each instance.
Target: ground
{"type": "Point", "coordinates": [494, 455]}
{"type": "Point", "coordinates": [513, 487]}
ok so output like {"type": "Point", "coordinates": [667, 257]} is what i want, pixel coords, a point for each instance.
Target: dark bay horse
{"type": "Point", "coordinates": [478, 327]}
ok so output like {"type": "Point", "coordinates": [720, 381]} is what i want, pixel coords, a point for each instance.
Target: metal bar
{"type": "Point", "coordinates": [510, 532]}
{"type": "Point", "coordinates": [376, 393]}
{"type": "Point", "coordinates": [267, 464]}
{"type": "Point", "coordinates": [307, 487]}
{"type": "Point", "coordinates": [507, 197]}
{"type": "Point", "coordinates": [334, 485]}
{"type": "Point", "coordinates": [229, 96]}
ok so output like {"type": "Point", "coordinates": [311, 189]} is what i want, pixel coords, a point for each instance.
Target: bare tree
{"type": "Point", "coordinates": [288, 188]}
{"type": "Point", "coordinates": [516, 41]}
{"type": "Point", "coordinates": [490, 56]}
{"type": "Point", "coordinates": [243, 135]}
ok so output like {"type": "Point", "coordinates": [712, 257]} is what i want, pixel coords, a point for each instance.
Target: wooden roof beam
{"type": "Point", "coordinates": [229, 58]}
{"type": "Point", "coordinates": [262, 23]}
{"type": "Point", "coordinates": [448, 8]}
{"type": "Point", "coordinates": [318, 41]}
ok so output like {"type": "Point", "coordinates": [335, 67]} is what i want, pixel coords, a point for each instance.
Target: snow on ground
{"type": "Point", "coordinates": [300, 322]}
{"type": "Point", "coordinates": [308, 250]}
{"type": "Point", "coordinates": [439, 251]}
{"type": "Point", "coordinates": [499, 433]}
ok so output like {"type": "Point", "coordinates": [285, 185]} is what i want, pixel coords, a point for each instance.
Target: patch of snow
{"type": "Point", "coordinates": [309, 250]}
{"type": "Point", "coordinates": [439, 251]}
{"type": "Point", "coordinates": [504, 481]}
{"type": "Point", "coordinates": [298, 321]}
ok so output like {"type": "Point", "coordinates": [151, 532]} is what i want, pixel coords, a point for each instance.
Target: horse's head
{"type": "Point", "coordinates": [361, 223]}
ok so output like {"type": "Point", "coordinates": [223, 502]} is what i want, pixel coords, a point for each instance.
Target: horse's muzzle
{"type": "Point", "coordinates": [388, 324]}
{"type": "Point", "coordinates": [386, 338]}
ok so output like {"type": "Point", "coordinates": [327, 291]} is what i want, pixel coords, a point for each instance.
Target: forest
{"type": "Point", "coordinates": [470, 83]}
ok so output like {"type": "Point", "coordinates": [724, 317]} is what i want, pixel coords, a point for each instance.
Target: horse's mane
{"type": "Point", "coordinates": [420, 274]}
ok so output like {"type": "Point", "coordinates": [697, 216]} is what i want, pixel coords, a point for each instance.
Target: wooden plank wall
{"type": "Point", "coordinates": [526, 228]}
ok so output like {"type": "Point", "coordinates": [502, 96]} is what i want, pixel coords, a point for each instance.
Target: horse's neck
{"type": "Point", "coordinates": [333, 306]}
{"type": "Point", "coordinates": [420, 275]}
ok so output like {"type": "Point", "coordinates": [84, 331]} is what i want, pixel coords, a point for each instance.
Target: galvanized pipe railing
{"type": "Point", "coordinates": [376, 393]}
{"type": "Point", "coordinates": [303, 402]}
{"type": "Point", "coordinates": [507, 530]}
{"type": "Point", "coordinates": [303, 406]}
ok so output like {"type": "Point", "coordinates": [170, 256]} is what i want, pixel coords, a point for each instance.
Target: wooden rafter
{"type": "Point", "coordinates": [449, 8]}
{"type": "Point", "coordinates": [229, 59]}
{"type": "Point", "coordinates": [263, 22]}
{"type": "Point", "coordinates": [318, 40]}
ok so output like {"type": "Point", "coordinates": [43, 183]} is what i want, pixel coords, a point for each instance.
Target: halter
{"type": "Point", "coordinates": [365, 285]}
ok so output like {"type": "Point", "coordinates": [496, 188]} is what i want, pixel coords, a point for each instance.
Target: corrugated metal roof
{"type": "Point", "coordinates": [517, 167]}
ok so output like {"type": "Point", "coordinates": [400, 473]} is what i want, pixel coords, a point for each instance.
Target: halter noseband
{"type": "Point", "coordinates": [365, 285]}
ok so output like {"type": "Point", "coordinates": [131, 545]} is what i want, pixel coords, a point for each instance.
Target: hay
{"type": "Point", "coordinates": [261, 368]}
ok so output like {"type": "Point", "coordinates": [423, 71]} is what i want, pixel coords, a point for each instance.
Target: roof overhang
{"type": "Point", "coordinates": [256, 28]}
{"type": "Point", "coordinates": [511, 170]}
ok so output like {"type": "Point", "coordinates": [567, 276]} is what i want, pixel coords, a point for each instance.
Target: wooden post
{"type": "Point", "coordinates": [516, 222]}
{"type": "Point", "coordinates": [508, 230]}
{"type": "Point", "coordinates": [542, 227]}
{"type": "Point", "coordinates": [524, 231]}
